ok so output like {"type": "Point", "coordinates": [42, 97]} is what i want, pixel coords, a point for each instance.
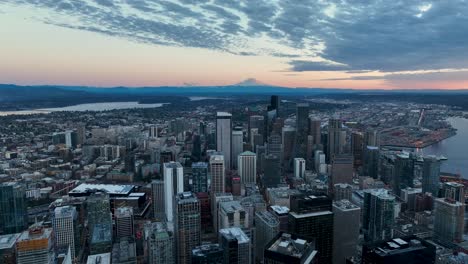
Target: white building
{"type": "Point", "coordinates": [173, 174]}
{"type": "Point", "coordinates": [224, 136]}
{"type": "Point", "coordinates": [65, 229]}
{"type": "Point", "coordinates": [247, 167]}
{"type": "Point", "coordinates": [299, 167]}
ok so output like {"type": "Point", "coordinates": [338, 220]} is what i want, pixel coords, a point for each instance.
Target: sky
{"type": "Point", "coordinates": [377, 44]}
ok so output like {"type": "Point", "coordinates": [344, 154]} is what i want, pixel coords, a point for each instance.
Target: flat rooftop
{"type": "Point", "coordinates": [235, 232]}
{"type": "Point", "coordinates": [8, 241]}
{"type": "Point", "coordinates": [281, 210]}
{"type": "Point", "coordinates": [286, 245]}
{"type": "Point", "coordinates": [99, 259]}
{"type": "Point", "coordinates": [111, 189]}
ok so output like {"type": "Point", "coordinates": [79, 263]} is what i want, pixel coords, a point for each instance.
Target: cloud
{"type": "Point", "coordinates": [335, 35]}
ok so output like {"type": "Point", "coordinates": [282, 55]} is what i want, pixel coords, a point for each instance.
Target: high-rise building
{"type": "Point", "coordinates": [124, 251]}
{"type": "Point", "coordinates": [275, 103]}
{"type": "Point", "coordinates": [448, 220]}
{"type": "Point", "coordinates": [357, 148]}
{"type": "Point", "coordinates": [341, 169]}
{"type": "Point", "coordinates": [200, 177]}
{"type": "Point", "coordinates": [302, 130]}
{"type": "Point", "coordinates": [13, 212]}
{"type": "Point", "coordinates": [320, 164]}
{"type": "Point", "coordinates": [160, 243]}
{"type": "Point", "coordinates": [311, 216]}
{"type": "Point", "coordinates": [224, 136]}
{"type": "Point", "coordinates": [346, 222]}
{"type": "Point", "coordinates": [342, 191]}
{"type": "Point", "coordinates": [247, 167]}
{"type": "Point", "coordinates": [153, 131]}
{"type": "Point", "coordinates": [124, 223]}
{"type": "Point", "coordinates": [399, 250]}
{"type": "Point", "coordinates": [372, 138]}
{"type": "Point", "coordinates": [272, 171]}
{"type": "Point", "coordinates": [266, 228]}
{"type": "Point", "coordinates": [217, 173]}
{"type": "Point", "coordinates": [236, 246]}
{"type": "Point", "coordinates": [281, 213]}
{"type": "Point", "coordinates": [173, 183]}
{"type": "Point", "coordinates": [274, 145]}
{"type": "Point", "coordinates": [454, 191]}
{"type": "Point", "coordinates": [256, 122]}
{"type": "Point", "coordinates": [157, 193]}
{"type": "Point", "coordinates": [187, 226]}
{"type": "Point", "coordinates": [8, 248]}
{"type": "Point", "coordinates": [403, 172]}
{"type": "Point", "coordinates": [65, 228]}
{"type": "Point", "coordinates": [207, 254]}
{"type": "Point", "coordinates": [315, 130]}
{"type": "Point", "coordinates": [288, 137]}
{"type": "Point", "coordinates": [218, 198]}
{"type": "Point", "coordinates": [287, 248]}
{"type": "Point", "coordinates": [232, 214]}
{"type": "Point", "coordinates": [431, 175]}
{"type": "Point", "coordinates": [237, 146]}
{"type": "Point", "coordinates": [334, 135]}
{"type": "Point", "coordinates": [35, 246]}
{"type": "Point", "coordinates": [299, 167]}
{"type": "Point", "coordinates": [99, 218]}
{"type": "Point", "coordinates": [371, 161]}
{"type": "Point", "coordinates": [378, 215]}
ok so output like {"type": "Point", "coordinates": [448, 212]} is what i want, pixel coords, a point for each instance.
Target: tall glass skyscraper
{"type": "Point", "coordinates": [224, 136]}
{"type": "Point", "coordinates": [302, 130]}
{"type": "Point", "coordinates": [13, 210]}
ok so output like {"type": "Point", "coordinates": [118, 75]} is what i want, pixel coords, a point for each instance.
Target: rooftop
{"type": "Point", "coordinates": [345, 205]}
{"type": "Point", "coordinates": [172, 165]}
{"type": "Point", "coordinates": [286, 245]}
{"type": "Point", "coordinates": [397, 245]}
{"type": "Point", "coordinates": [281, 210]}
{"type": "Point", "coordinates": [223, 114]}
{"type": "Point", "coordinates": [267, 217]}
{"type": "Point", "coordinates": [99, 259]}
{"type": "Point", "coordinates": [8, 241]}
{"type": "Point", "coordinates": [107, 188]}
{"type": "Point", "coordinates": [235, 232]}
{"type": "Point", "coordinates": [231, 206]}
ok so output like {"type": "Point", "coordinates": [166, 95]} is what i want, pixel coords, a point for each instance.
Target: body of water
{"type": "Point", "coordinates": [454, 148]}
{"type": "Point", "coordinates": [85, 107]}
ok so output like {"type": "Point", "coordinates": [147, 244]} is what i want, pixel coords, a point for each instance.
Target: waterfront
{"type": "Point", "coordinates": [455, 148]}
{"type": "Point", "coordinates": [85, 107]}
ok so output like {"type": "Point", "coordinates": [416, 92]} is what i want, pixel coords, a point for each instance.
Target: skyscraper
{"type": "Point", "coordinates": [448, 220]}
{"type": "Point", "coordinates": [288, 137]}
{"type": "Point", "coordinates": [315, 130]}
{"type": "Point", "coordinates": [124, 223]}
{"type": "Point", "coordinates": [371, 161]}
{"type": "Point", "coordinates": [378, 215]}
{"type": "Point", "coordinates": [341, 170]}
{"type": "Point", "coordinates": [346, 222]}
{"type": "Point", "coordinates": [153, 131]}
{"type": "Point", "coordinates": [173, 183]}
{"type": "Point", "coordinates": [237, 146]}
{"type": "Point", "coordinates": [272, 171]}
{"type": "Point", "coordinates": [454, 191]}
{"type": "Point", "coordinates": [236, 246]}
{"type": "Point", "coordinates": [187, 227]}
{"type": "Point", "coordinates": [357, 148]}
{"type": "Point", "coordinates": [160, 243]}
{"type": "Point", "coordinates": [200, 177]}
{"type": "Point", "coordinates": [207, 254]}
{"type": "Point", "coordinates": [266, 228]}
{"type": "Point", "coordinates": [299, 168]}
{"type": "Point", "coordinates": [232, 214]}
{"type": "Point", "coordinates": [275, 103]}
{"type": "Point", "coordinates": [65, 227]}
{"type": "Point", "coordinates": [404, 172]}
{"type": "Point", "coordinates": [431, 175]}
{"type": "Point", "coordinates": [35, 246]}
{"type": "Point", "coordinates": [311, 216]}
{"type": "Point", "coordinates": [99, 214]}
{"type": "Point", "coordinates": [217, 173]}
{"type": "Point", "coordinates": [224, 136]}
{"type": "Point", "coordinates": [257, 123]}
{"type": "Point", "coordinates": [372, 138]}
{"type": "Point", "coordinates": [302, 130]}
{"type": "Point", "coordinates": [247, 167]}
{"type": "Point", "coordinates": [334, 135]}
{"type": "Point", "coordinates": [157, 193]}
{"type": "Point", "coordinates": [13, 212]}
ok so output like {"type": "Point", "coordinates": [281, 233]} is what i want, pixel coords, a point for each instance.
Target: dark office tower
{"type": "Point", "coordinates": [237, 145]}
{"type": "Point", "coordinates": [371, 162]}
{"type": "Point", "coordinates": [236, 246]}
{"type": "Point", "coordinates": [124, 222]}
{"type": "Point", "coordinates": [256, 122]}
{"type": "Point", "coordinates": [290, 249]}
{"type": "Point", "coordinates": [224, 136]}
{"type": "Point", "coordinates": [202, 129]}
{"type": "Point", "coordinates": [200, 177]}
{"type": "Point", "coordinates": [80, 134]}
{"type": "Point", "coordinates": [274, 145]}
{"type": "Point", "coordinates": [129, 162]}
{"type": "Point", "coordinates": [357, 148]}
{"type": "Point", "coordinates": [315, 130]}
{"type": "Point", "coordinates": [378, 215]}
{"type": "Point", "coordinates": [187, 226]}
{"type": "Point", "coordinates": [347, 218]}
{"type": "Point", "coordinates": [13, 212]}
{"type": "Point", "coordinates": [431, 176]}
{"type": "Point", "coordinates": [311, 216]}
{"type": "Point", "coordinates": [197, 150]}
{"type": "Point", "coordinates": [372, 138]}
{"type": "Point", "coordinates": [272, 171]}
{"type": "Point", "coordinates": [403, 173]}
{"type": "Point", "coordinates": [207, 254]}
{"type": "Point", "coordinates": [288, 134]}
{"type": "Point", "coordinates": [275, 103]}
{"type": "Point", "coordinates": [334, 135]}
{"type": "Point", "coordinates": [302, 130]}
{"type": "Point", "coordinates": [454, 191]}
{"type": "Point", "coordinates": [341, 170]}
{"type": "Point", "coordinates": [408, 250]}
{"type": "Point", "coordinates": [158, 199]}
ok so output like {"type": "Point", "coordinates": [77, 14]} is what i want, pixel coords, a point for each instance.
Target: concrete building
{"type": "Point", "coordinates": [315, 130]}
{"type": "Point", "coordinates": [290, 249]}
{"type": "Point", "coordinates": [267, 226]}
{"type": "Point", "coordinates": [454, 191]}
{"type": "Point", "coordinates": [65, 228]}
{"type": "Point", "coordinates": [124, 223]}
{"type": "Point", "coordinates": [124, 251]}
{"type": "Point", "coordinates": [334, 135]}
{"type": "Point", "coordinates": [159, 204]}
{"type": "Point", "coordinates": [346, 223]}
{"type": "Point", "coordinates": [236, 246]}
{"type": "Point", "coordinates": [217, 173]}
{"type": "Point", "coordinates": [299, 167]}
{"type": "Point", "coordinates": [187, 226]}
{"type": "Point", "coordinates": [35, 246]}
{"type": "Point", "coordinates": [224, 136]}
{"type": "Point", "coordinates": [448, 220]}
{"type": "Point", "coordinates": [160, 243]}
{"type": "Point", "coordinates": [342, 191]}
{"type": "Point", "coordinates": [237, 146]}
{"type": "Point", "coordinates": [8, 248]}
{"type": "Point", "coordinates": [341, 169]}
{"type": "Point", "coordinates": [232, 214]}
{"type": "Point", "coordinates": [281, 213]}
{"type": "Point", "coordinates": [173, 174]}
{"type": "Point", "coordinates": [378, 215]}
{"type": "Point", "coordinates": [218, 198]}
{"type": "Point", "coordinates": [247, 167]}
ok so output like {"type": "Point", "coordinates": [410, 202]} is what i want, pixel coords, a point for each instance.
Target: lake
{"type": "Point", "coordinates": [454, 148]}
{"type": "Point", "coordinates": [85, 107]}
